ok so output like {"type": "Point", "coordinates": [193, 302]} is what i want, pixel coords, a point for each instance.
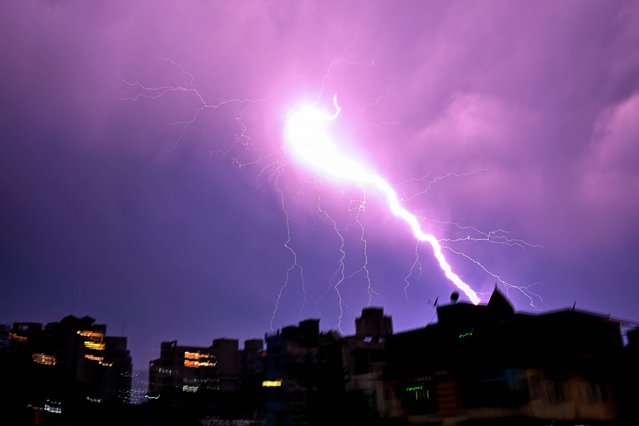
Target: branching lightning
{"type": "Point", "coordinates": [294, 264]}
{"type": "Point", "coordinates": [157, 92]}
{"type": "Point", "coordinates": [525, 290]}
{"type": "Point", "coordinates": [497, 236]}
{"type": "Point", "coordinates": [364, 268]}
{"type": "Point", "coordinates": [310, 143]}
{"type": "Point", "coordinates": [416, 265]}
{"type": "Point", "coordinates": [339, 274]}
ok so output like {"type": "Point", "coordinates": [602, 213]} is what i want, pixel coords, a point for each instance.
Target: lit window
{"type": "Point", "coordinates": [465, 334]}
{"type": "Point", "coordinates": [95, 340]}
{"type": "Point", "coordinates": [96, 346]}
{"type": "Point", "coordinates": [94, 358]}
{"type": "Point", "coordinates": [271, 383]}
{"type": "Point", "coordinates": [43, 359]}
{"type": "Point", "coordinates": [414, 388]}
{"type": "Point", "coordinates": [18, 338]}
{"type": "Point", "coordinates": [197, 364]}
{"type": "Point", "coordinates": [92, 334]}
{"type": "Point", "coordinates": [52, 409]}
{"type": "Point", "coordinates": [196, 355]}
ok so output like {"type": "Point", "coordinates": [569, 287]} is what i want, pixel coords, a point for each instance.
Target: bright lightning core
{"type": "Point", "coordinates": [308, 140]}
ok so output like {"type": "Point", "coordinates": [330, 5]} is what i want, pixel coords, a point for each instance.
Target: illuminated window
{"type": "Point", "coordinates": [43, 359]}
{"type": "Point", "coordinates": [197, 364]}
{"type": "Point", "coordinates": [465, 334]}
{"type": "Point", "coordinates": [414, 388]}
{"type": "Point", "coordinates": [198, 359]}
{"type": "Point", "coordinates": [95, 340]}
{"type": "Point", "coordinates": [418, 397]}
{"type": "Point", "coordinates": [92, 334]}
{"type": "Point", "coordinates": [271, 383]}
{"type": "Point", "coordinates": [18, 338]}
{"type": "Point", "coordinates": [197, 355]}
{"type": "Point", "coordinates": [52, 409]}
{"type": "Point", "coordinates": [96, 346]}
{"type": "Point", "coordinates": [94, 358]}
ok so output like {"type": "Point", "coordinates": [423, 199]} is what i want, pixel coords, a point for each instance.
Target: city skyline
{"type": "Point", "coordinates": [145, 181]}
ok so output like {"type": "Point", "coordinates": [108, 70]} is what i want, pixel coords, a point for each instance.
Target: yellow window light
{"type": "Point", "coordinates": [97, 346]}
{"type": "Point", "coordinates": [43, 359]}
{"type": "Point", "coordinates": [92, 334]}
{"type": "Point", "coordinates": [94, 358]}
{"type": "Point", "coordinates": [18, 338]}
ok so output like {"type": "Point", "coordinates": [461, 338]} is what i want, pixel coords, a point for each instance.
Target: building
{"type": "Point", "coordinates": [323, 378]}
{"type": "Point", "coordinates": [487, 363]}
{"type": "Point", "coordinates": [218, 380]}
{"type": "Point", "coordinates": [228, 370]}
{"type": "Point", "coordinates": [303, 378]}
{"type": "Point", "coordinates": [484, 364]}
{"type": "Point", "coordinates": [67, 369]}
{"type": "Point", "coordinates": [629, 390]}
{"type": "Point", "coordinates": [182, 369]}
{"type": "Point", "coordinates": [364, 358]}
{"type": "Point", "coordinates": [4, 335]}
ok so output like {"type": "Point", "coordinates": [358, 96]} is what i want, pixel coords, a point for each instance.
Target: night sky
{"type": "Point", "coordinates": [144, 182]}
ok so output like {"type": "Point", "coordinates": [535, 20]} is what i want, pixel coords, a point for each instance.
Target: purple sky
{"type": "Point", "coordinates": [486, 116]}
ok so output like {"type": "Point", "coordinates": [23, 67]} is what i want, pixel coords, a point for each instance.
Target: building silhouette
{"type": "Point", "coordinates": [218, 380]}
{"type": "Point", "coordinates": [630, 378]}
{"type": "Point", "coordinates": [320, 378]}
{"type": "Point", "coordinates": [487, 363]}
{"type": "Point", "coordinates": [477, 365]}
{"type": "Point", "coordinates": [303, 375]}
{"type": "Point", "coordinates": [63, 371]}
{"type": "Point", "coordinates": [484, 364]}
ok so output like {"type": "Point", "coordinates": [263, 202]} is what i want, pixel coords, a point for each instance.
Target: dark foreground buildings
{"type": "Point", "coordinates": [487, 364]}
{"type": "Point", "coordinates": [477, 365]}
{"type": "Point", "coordinates": [65, 372]}
{"type": "Point", "coordinates": [219, 380]}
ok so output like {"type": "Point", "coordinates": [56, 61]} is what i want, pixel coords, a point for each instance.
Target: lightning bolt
{"type": "Point", "coordinates": [416, 265]}
{"type": "Point", "coordinates": [364, 268]}
{"type": "Point", "coordinates": [338, 275]}
{"type": "Point", "coordinates": [294, 263]}
{"type": "Point", "coordinates": [467, 233]}
{"type": "Point", "coordinates": [202, 105]}
{"type": "Point", "coordinates": [309, 142]}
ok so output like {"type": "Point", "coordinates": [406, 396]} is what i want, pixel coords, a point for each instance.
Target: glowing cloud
{"type": "Point", "coordinates": [309, 142]}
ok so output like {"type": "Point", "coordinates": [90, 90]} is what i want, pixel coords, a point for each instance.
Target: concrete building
{"type": "Point", "coordinates": [179, 369]}
{"type": "Point", "coordinates": [218, 380]}
{"type": "Point", "coordinates": [628, 386]}
{"type": "Point", "coordinates": [303, 378]}
{"type": "Point", "coordinates": [322, 378]}
{"type": "Point", "coordinates": [488, 363]}
{"type": "Point", "coordinates": [227, 353]}
{"type": "Point", "coordinates": [364, 358]}
{"type": "Point", "coordinates": [68, 369]}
